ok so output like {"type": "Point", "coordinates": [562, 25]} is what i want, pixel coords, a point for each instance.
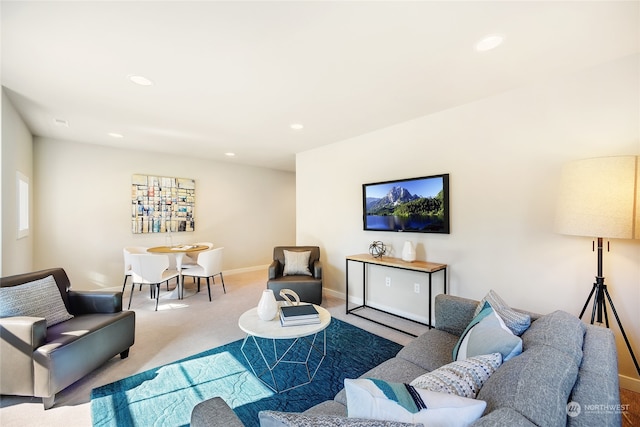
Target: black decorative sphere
{"type": "Point", "coordinates": [377, 249]}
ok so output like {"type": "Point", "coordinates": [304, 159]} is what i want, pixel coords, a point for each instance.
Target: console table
{"type": "Point", "coordinates": [420, 266]}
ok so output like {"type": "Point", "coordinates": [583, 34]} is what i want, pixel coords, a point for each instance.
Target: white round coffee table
{"type": "Point", "coordinates": [272, 330]}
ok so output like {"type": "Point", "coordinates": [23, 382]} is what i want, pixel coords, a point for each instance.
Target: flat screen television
{"type": "Point", "coordinates": [418, 205]}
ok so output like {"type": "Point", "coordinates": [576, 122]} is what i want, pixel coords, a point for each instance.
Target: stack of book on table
{"type": "Point", "coordinates": [295, 315]}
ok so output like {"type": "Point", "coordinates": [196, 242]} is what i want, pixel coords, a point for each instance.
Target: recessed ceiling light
{"type": "Point", "coordinates": [230, 154]}
{"type": "Point", "coordinates": [489, 42]}
{"type": "Point", "coordinates": [115, 135]}
{"type": "Point", "coordinates": [139, 80]}
{"type": "Point", "coordinates": [61, 122]}
{"type": "Point", "coordinates": [296, 126]}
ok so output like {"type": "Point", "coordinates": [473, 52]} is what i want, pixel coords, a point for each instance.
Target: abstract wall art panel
{"type": "Point", "coordinates": [162, 204]}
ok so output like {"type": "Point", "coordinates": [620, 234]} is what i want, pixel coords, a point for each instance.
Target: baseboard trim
{"type": "Point", "coordinates": [225, 273]}
{"type": "Point", "coordinates": [629, 383]}
{"type": "Point", "coordinates": [392, 310]}
{"type": "Point", "coordinates": [333, 293]}
{"type": "Point", "coordinates": [245, 269]}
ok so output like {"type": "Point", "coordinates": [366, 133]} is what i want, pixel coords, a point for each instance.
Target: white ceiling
{"type": "Point", "coordinates": [232, 76]}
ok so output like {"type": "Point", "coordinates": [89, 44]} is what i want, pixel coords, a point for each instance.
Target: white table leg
{"type": "Point", "coordinates": [178, 292]}
{"type": "Point", "coordinates": [278, 359]}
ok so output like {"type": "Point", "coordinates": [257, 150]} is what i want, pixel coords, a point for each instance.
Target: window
{"type": "Point", "coordinates": [22, 192]}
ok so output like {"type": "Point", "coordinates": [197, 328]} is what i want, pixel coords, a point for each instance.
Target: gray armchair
{"type": "Point", "coordinates": [39, 359]}
{"type": "Point", "coordinates": [308, 285]}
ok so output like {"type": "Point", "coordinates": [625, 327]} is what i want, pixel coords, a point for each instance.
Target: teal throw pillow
{"type": "Point", "coordinates": [487, 333]}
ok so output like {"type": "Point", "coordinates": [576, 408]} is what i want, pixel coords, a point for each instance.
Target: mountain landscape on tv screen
{"type": "Point", "coordinates": [400, 202]}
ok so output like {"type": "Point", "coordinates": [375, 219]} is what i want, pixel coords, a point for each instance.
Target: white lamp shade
{"type": "Point", "coordinates": [598, 198]}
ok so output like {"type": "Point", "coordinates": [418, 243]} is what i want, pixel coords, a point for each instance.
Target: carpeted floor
{"type": "Point", "coordinates": [183, 328]}
{"type": "Point", "coordinates": [179, 329]}
{"type": "Point", "coordinates": [165, 396]}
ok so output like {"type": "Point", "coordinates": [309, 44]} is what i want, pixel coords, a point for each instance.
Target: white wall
{"type": "Point", "coordinates": [504, 156]}
{"type": "Point", "coordinates": [83, 199]}
{"type": "Point", "coordinates": [16, 256]}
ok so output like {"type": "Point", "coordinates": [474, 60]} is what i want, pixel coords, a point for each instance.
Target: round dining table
{"type": "Point", "coordinates": [179, 251]}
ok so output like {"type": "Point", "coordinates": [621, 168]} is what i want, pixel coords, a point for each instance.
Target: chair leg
{"type": "Point", "coordinates": [198, 280]}
{"type": "Point", "coordinates": [223, 288]}
{"type": "Point", "coordinates": [209, 289]}
{"type": "Point", "coordinates": [48, 401]}
{"type": "Point", "coordinates": [124, 284]}
{"type": "Point", "coordinates": [157, 294]}
{"type": "Point", "coordinates": [133, 285]}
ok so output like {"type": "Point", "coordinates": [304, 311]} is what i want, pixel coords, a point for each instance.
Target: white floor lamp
{"type": "Point", "coordinates": [600, 198]}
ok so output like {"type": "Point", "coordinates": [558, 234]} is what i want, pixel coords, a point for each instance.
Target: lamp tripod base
{"type": "Point", "coordinates": [600, 309]}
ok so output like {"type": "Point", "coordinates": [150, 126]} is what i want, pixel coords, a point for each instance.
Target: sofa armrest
{"type": "Point", "coordinates": [19, 337]}
{"type": "Point", "coordinates": [23, 332]}
{"type": "Point", "coordinates": [453, 314]}
{"type": "Point", "coordinates": [85, 302]}
{"type": "Point", "coordinates": [317, 270]}
{"type": "Point", "coordinates": [273, 269]}
{"type": "Point", "coordinates": [214, 412]}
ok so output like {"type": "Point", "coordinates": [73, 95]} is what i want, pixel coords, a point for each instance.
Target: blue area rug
{"type": "Point", "coordinates": [165, 396]}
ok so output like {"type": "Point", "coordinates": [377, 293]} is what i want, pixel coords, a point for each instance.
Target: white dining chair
{"type": "Point", "coordinates": [209, 266]}
{"type": "Point", "coordinates": [127, 261]}
{"type": "Point", "coordinates": [152, 270]}
{"type": "Point", "coordinates": [191, 260]}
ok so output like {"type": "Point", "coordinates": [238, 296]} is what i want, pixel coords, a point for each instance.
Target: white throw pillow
{"type": "Point", "coordinates": [40, 298]}
{"type": "Point", "coordinates": [381, 400]}
{"type": "Point", "coordinates": [486, 334]}
{"type": "Point", "coordinates": [462, 378]}
{"type": "Point", "coordinates": [296, 263]}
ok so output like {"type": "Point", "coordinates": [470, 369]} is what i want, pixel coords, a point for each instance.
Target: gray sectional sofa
{"type": "Point", "coordinates": [564, 363]}
{"type": "Point", "coordinates": [40, 357]}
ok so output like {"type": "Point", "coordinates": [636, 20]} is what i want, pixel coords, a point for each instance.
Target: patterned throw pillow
{"type": "Point", "coordinates": [40, 298]}
{"type": "Point", "coordinates": [296, 263]}
{"type": "Point", "coordinates": [291, 419]}
{"type": "Point", "coordinates": [463, 378]}
{"type": "Point", "coordinates": [486, 334]}
{"type": "Point", "coordinates": [517, 322]}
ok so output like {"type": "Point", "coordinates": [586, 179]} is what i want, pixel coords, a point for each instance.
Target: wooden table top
{"type": "Point", "coordinates": [177, 248]}
{"type": "Point", "coordinates": [425, 266]}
